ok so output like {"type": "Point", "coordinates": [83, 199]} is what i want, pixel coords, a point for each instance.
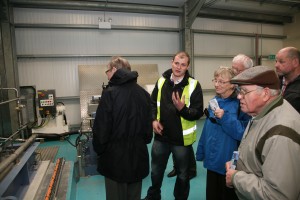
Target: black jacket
{"type": "Point", "coordinates": [122, 128]}
{"type": "Point", "coordinates": [292, 93]}
{"type": "Point", "coordinates": [170, 116]}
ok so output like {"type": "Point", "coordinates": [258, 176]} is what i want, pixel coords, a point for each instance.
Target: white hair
{"type": "Point", "coordinates": [247, 61]}
{"type": "Point", "coordinates": [273, 92]}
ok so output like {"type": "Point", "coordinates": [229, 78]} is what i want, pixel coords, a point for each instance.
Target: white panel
{"type": "Point", "coordinates": [204, 73]}
{"type": "Point", "coordinates": [205, 67]}
{"type": "Point", "coordinates": [223, 45]}
{"type": "Point", "coordinates": [163, 63]}
{"type": "Point", "coordinates": [270, 46]}
{"type": "Point", "coordinates": [37, 73]}
{"type": "Point", "coordinates": [236, 26]}
{"type": "Point", "coordinates": [52, 16]}
{"type": "Point", "coordinates": [58, 74]}
{"type": "Point", "coordinates": [66, 41]}
{"type": "Point", "coordinates": [62, 74]}
{"type": "Point", "coordinates": [73, 112]}
{"type": "Point", "coordinates": [271, 29]}
{"type": "Point", "coordinates": [267, 62]}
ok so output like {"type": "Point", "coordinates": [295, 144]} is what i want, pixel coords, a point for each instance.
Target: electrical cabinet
{"type": "Point", "coordinates": [47, 102]}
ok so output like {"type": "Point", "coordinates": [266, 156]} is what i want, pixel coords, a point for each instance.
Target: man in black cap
{"type": "Point", "coordinates": [268, 164]}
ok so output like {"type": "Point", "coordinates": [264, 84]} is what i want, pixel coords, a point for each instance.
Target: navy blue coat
{"type": "Point", "coordinates": [122, 129]}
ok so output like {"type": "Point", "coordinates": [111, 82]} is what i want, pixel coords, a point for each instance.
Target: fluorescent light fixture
{"type": "Point", "coordinates": [104, 25]}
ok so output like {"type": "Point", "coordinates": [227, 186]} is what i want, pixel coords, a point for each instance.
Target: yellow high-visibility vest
{"type": "Point", "coordinates": [188, 127]}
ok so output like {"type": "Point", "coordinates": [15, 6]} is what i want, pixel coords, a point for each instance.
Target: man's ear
{"type": "Point", "coordinates": [296, 62]}
{"type": "Point", "coordinates": [266, 94]}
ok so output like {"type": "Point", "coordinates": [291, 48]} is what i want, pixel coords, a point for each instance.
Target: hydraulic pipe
{"type": "Point", "coordinates": [13, 157]}
{"type": "Point", "coordinates": [4, 102]}
{"type": "Point", "coordinates": [12, 137]}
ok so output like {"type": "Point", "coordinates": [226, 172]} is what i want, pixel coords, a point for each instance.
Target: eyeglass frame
{"type": "Point", "coordinates": [237, 70]}
{"type": "Point", "coordinates": [109, 70]}
{"type": "Point", "coordinates": [219, 82]}
{"type": "Point", "coordinates": [241, 92]}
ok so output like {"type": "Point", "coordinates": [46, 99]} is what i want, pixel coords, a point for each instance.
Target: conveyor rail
{"type": "Point", "coordinates": [54, 181]}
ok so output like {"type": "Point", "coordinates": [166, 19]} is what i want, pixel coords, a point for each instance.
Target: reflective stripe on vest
{"type": "Point", "coordinates": [188, 127]}
{"type": "Point", "coordinates": [160, 83]}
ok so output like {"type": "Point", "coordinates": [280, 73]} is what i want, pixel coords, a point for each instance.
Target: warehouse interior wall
{"type": "Point", "coordinates": [293, 32]}
{"type": "Point", "coordinates": [216, 42]}
{"type": "Point", "coordinates": [51, 44]}
{"type": "Point", "coordinates": [9, 79]}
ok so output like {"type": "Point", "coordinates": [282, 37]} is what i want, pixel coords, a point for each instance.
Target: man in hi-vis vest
{"type": "Point", "coordinates": [177, 102]}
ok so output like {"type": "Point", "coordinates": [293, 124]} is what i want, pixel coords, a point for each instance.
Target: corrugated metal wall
{"type": "Point", "coordinates": [231, 38]}
{"type": "Point", "coordinates": [49, 57]}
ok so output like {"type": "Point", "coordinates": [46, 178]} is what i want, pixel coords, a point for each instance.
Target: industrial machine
{"type": "Point", "coordinates": [52, 119]}
{"type": "Point", "coordinates": [22, 175]}
{"type": "Point", "coordinates": [87, 158]}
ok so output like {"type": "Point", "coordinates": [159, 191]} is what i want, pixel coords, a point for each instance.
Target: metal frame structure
{"type": "Point", "coordinates": [245, 10]}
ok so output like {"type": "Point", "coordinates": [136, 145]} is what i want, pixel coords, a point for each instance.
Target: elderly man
{"type": "Point", "coordinates": [288, 68]}
{"type": "Point", "coordinates": [240, 63]}
{"type": "Point", "coordinates": [121, 132]}
{"type": "Point", "coordinates": [268, 164]}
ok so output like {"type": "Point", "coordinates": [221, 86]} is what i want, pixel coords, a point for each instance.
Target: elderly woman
{"type": "Point", "coordinates": [221, 134]}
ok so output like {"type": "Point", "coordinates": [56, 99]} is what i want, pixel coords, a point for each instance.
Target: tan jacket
{"type": "Point", "coordinates": [269, 155]}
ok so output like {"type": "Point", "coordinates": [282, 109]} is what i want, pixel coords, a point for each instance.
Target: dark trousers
{"type": "Point", "coordinates": [192, 162]}
{"type": "Point", "coordinates": [160, 154]}
{"type": "Point", "coordinates": [216, 188]}
{"type": "Point", "coordinates": [122, 191]}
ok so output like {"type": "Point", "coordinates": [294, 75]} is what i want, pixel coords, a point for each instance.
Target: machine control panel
{"type": "Point", "coordinates": [47, 104]}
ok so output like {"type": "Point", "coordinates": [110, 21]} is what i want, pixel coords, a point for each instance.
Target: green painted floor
{"type": "Point", "coordinates": [92, 187]}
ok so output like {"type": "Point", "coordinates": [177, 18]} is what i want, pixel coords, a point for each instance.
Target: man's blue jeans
{"type": "Point", "coordinates": [160, 154]}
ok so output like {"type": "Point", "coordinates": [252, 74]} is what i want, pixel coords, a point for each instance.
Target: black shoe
{"type": "Point", "coordinates": [172, 173]}
{"type": "Point", "coordinates": [192, 175]}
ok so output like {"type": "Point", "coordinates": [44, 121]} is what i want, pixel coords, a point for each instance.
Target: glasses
{"type": "Point", "coordinates": [242, 92]}
{"type": "Point", "coordinates": [219, 82]}
{"type": "Point", "coordinates": [109, 70]}
{"type": "Point", "coordinates": [236, 71]}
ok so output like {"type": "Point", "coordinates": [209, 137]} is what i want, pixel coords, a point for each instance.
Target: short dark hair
{"type": "Point", "coordinates": [182, 54]}
{"type": "Point", "coordinates": [293, 53]}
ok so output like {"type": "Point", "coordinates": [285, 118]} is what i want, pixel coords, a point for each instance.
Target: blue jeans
{"type": "Point", "coordinates": [160, 154]}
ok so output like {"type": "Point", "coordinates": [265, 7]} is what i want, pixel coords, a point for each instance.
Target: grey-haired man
{"type": "Point", "coordinates": [268, 164]}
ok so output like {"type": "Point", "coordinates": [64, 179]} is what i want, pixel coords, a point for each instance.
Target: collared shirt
{"type": "Point", "coordinates": [175, 81]}
{"type": "Point", "coordinates": [283, 86]}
